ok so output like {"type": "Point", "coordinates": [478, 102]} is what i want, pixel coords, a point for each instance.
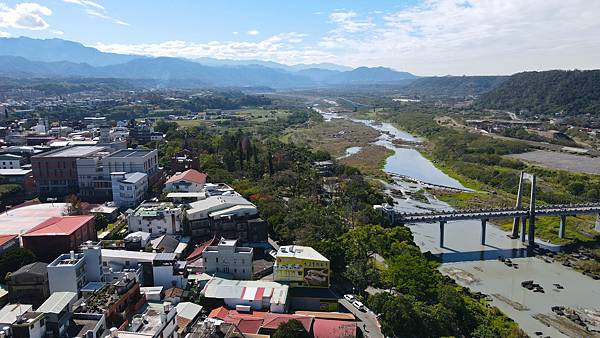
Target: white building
{"type": "Point", "coordinates": [163, 265]}
{"type": "Point", "coordinates": [10, 161]}
{"type": "Point", "coordinates": [22, 319]}
{"type": "Point", "coordinates": [129, 189]}
{"type": "Point", "coordinates": [72, 271]}
{"type": "Point", "coordinates": [153, 323]}
{"type": "Point", "coordinates": [188, 181]}
{"type": "Point", "coordinates": [259, 295]}
{"type": "Point", "coordinates": [156, 218]}
{"type": "Point", "coordinates": [228, 258]}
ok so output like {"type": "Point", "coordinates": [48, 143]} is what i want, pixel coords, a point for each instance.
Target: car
{"type": "Point", "coordinates": [359, 305]}
{"type": "Point", "coordinates": [349, 298]}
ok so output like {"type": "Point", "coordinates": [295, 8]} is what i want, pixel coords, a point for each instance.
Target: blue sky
{"type": "Point", "coordinates": [426, 37]}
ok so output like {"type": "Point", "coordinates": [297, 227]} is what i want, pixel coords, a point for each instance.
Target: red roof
{"type": "Point", "coordinates": [59, 226]}
{"type": "Point", "coordinates": [191, 175]}
{"type": "Point", "coordinates": [6, 238]}
{"type": "Point", "coordinates": [199, 250]}
{"type": "Point", "coordinates": [245, 324]}
{"type": "Point", "coordinates": [327, 328]}
{"type": "Point", "coordinates": [273, 320]}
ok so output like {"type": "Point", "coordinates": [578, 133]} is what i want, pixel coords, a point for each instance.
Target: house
{"type": "Point", "coordinates": [259, 322]}
{"type": "Point", "coordinates": [10, 161]}
{"type": "Point", "coordinates": [195, 262]}
{"type": "Point", "coordinates": [301, 266]}
{"type": "Point", "coordinates": [59, 234]}
{"type": "Point", "coordinates": [128, 189]}
{"type": "Point", "coordinates": [164, 243]}
{"type": "Point", "coordinates": [156, 321]}
{"type": "Point", "coordinates": [29, 284]}
{"type": "Point", "coordinates": [71, 272]}
{"type": "Point", "coordinates": [229, 258]}
{"type": "Point", "coordinates": [8, 241]}
{"type": "Point", "coordinates": [188, 181]}
{"type": "Point", "coordinates": [259, 295]}
{"type": "Point", "coordinates": [58, 312]}
{"type": "Point", "coordinates": [156, 218]}
{"type": "Point", "coordinates": [22, 177]}
{"type": "Point", "coordinates": [136, 241]}
{"type": "Point", "coordinates": [157, 269]}
{"type": "Point", "coordinates": [22, 321]}
{"type": "Point", "coordinates": [187, 314]}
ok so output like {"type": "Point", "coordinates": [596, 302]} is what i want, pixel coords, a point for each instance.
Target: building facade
{"type": "Point", "coordinates": [10, 161]}
{"type": "Point", "coordinates": [129, 189]}
{"type": "Point", "coordinates": [156, 218]}
{"type": "Point", "coordinates": [29, 284]}
{"type": "Point", "coordinates": [229, 258]}
{"type": "Point", "coordinates": [301, 266]}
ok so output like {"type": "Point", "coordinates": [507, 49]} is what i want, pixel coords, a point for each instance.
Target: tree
{"type": "Point", "coordinates": [293, 328]}
{"type": "Point", "coordinates": [101, 222]}
{"type": "Point", "coordinates": [13, 259]}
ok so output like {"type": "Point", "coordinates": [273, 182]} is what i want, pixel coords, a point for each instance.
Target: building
{"type": "Point", "coordinates": [259, 295]}
{"type": "Point", "coordinates": [156, 321]}
{"type": "Point", "coordinates": [58, 311]}
{"type": "Point", "coordinates": [59, 234]}
{"type": "Point", "coordinates": [143, 133]}
{"type": "Point", "coordinates": [258, 322]}
{"type": "Point", "coordinates": [156, 218]}
{"type": "Point", "coordinates": [56, 171]}
{"type": "Point", "coordinates": [137, 241]}
{"type": "Point", "coordinates": [8, 241]}
{"type": "Point", "coordinates": [301, 266]}
{"type": "Point", "coordinates": [229, 258]}
{"type": "Point", "coordinates": [95, 171]}
{"type": "Point", "coordinates": [29, 284]}
{"type": "Point", "coordinates": [164, 243]}
{"type": "Point", "coordinates": [117, 301]}
{"type": "Point", "coordinates": [188, 181]}
{"type": "Point", "coordinates": [187, 314]}
{"type": "Point", "coordinates": [129, 189]}
{"type": "Point", "coordinates": [22, 177]}
{"type": "Point", "coordinates": [10, 161]}
{"type": "Point", "coordinates": [21, 219]}
{"type": "Point", "coordinates": [155, 268]}
{"type": "Point", "coordinates": [230, 216]}
{"type": "Point", "coordinates": [72, 271]}
{"type": "Point", "coordinates": [22, 321]}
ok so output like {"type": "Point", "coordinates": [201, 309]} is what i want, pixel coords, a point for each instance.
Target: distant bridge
{"type": "Point", "coordinates": [520, 215]}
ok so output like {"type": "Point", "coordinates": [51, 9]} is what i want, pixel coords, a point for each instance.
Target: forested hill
{"type": "Point", "coordinates": [454, 85]}
{"type": "Point", "coordinates": [549, 92]}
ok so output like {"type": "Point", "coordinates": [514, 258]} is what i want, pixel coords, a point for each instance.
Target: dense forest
{"type": "Point", "coordinates": [453, 85]}
{"type": "Point", "coordinates": [550, 92]}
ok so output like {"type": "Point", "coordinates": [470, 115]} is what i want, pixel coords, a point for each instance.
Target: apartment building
{"type": "Point", "coordinates": [156, 218]}
{"type": "Point", "coordinates": [10, 161]}
{"type": "Point", "coordinates": [228, 257]}
{"type": "Point", "coordinates": [129, 189]}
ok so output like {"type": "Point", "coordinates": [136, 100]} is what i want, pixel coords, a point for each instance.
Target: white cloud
{"type": "Point", "coordinates": [280, 48]}
{"type": "Point", "coordinates": [472, 37]}
{"type": "Point", "coordinates": [4, 34]}
{"type": "Point", "coordinates": [57, 32]}
{"type": "Point", "coordinates": [235, 33]}
{"type": "Point", "coordinates": [95, 9]}
{"type": "Point", "coordinates": [26, 15]}
{"type": "Point", "coordinates": [253, 32]}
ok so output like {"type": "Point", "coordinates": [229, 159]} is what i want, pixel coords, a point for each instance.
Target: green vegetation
{"type": "Point", "coordinates": [550, 92]}
{"type": "Point", "coordinates": [335, 216]}
{"type": "Point", "coordinates": [454, 85]}
{"type": "Point", "coordinates": [293, 328]}
{"type": "Point", "coordinates": [13, 259]}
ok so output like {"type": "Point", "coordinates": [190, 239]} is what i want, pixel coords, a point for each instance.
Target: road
{"type": "Point", "coordinates": [366, 318]}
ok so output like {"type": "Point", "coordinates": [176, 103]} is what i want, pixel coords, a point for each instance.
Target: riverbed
{"type": "Point", "coordinates": [477, 266]}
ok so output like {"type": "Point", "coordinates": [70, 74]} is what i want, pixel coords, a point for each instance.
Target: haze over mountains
{"type": "Point", "coordinates": [29, 58]}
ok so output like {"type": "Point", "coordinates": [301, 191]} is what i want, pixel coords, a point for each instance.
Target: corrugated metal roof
{"type": "Point", "coordinates": [188, 310]}
{"type": "Point", "coordinates": [57, 302]}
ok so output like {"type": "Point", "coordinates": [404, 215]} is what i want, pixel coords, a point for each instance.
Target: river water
{"type": "Point", "coordinates": [474, 265]}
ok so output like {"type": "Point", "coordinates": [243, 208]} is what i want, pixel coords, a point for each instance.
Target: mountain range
{"type": "Point", "coordinates": [38, 58]}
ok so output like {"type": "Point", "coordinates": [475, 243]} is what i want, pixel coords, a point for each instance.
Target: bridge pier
{"type": "Point", "coordinates": [442, 224]}
{"type": "Point", "coordinates": [531, 236]}
{"type": "Point", "coordinates": [483, 226]}
{"type": "Point", "coordinates": [515, 228]}
{"type": "Point", "coordinates": [523, 228]}
{"type": "Point", "coordinates": [563, 225]}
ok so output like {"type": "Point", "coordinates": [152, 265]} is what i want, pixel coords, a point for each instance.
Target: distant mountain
{"type": "Point", "coordinates": [51, 50]}
{"type": "Point", "coordinates": [454, 85]}
{"type": "Point", "coordinates": [548, 92]}
{"type": "Point", "coordinates": [26, 57]}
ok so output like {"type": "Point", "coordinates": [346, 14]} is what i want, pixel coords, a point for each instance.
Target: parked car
{"type": "Point", "coordinates": [349, 298]}
{"type": "Point", "coordinates": [359, 305]}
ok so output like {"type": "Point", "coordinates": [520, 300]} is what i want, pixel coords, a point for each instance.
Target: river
{"type": "Point", "coordinates": [474, 265]}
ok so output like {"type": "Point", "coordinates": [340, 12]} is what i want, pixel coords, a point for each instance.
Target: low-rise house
{"type": "Point", "coordinates": [22, 177]}
{"type": "Point", "coordinates": [259, 295]}
{"type": "Point", "coordinates": [58, 309]}
{"type": "Point", "coordinates": [57, 235]}
{"type": "Point", "coordinates": [156, 321]}
{"type": "Point", "coordinates": [156, 218]}
{"type": "Point", "coordinates": [188, 181]}
{"type": "Point", "coordinates": [29, 284]}
{"type": "Point", "coordinates": [136, 241]}
{"type": "Point", "coordinates": [128, 189]}
{"type": "Point", "coordinates": [164, 243]}
{"type": "Point", "coordinates": [187, 314]}
{"type": "Point", "coordinates": [22, 321]}
{"type": "Point", "coordinates": [229, 258]}
{"type": "Point", "coordinates": [259, 322]}
{"type": "Point", "coordinates": [10, 161]}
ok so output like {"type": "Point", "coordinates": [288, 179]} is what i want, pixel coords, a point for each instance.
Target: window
{"type": "Point", "coordinates": [217, 260]}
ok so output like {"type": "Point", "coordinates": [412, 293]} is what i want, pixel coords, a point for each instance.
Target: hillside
{"type": "Point", "coordinates": [549, 92]}
{"type": "Point", "coordinates": [454, 85]}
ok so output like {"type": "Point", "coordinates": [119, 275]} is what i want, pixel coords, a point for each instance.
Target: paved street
{"type": "Point", "coordinates": [368, 318]}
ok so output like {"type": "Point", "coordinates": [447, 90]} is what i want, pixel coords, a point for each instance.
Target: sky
{"type": "Point", "coordinates": [425, 37]}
